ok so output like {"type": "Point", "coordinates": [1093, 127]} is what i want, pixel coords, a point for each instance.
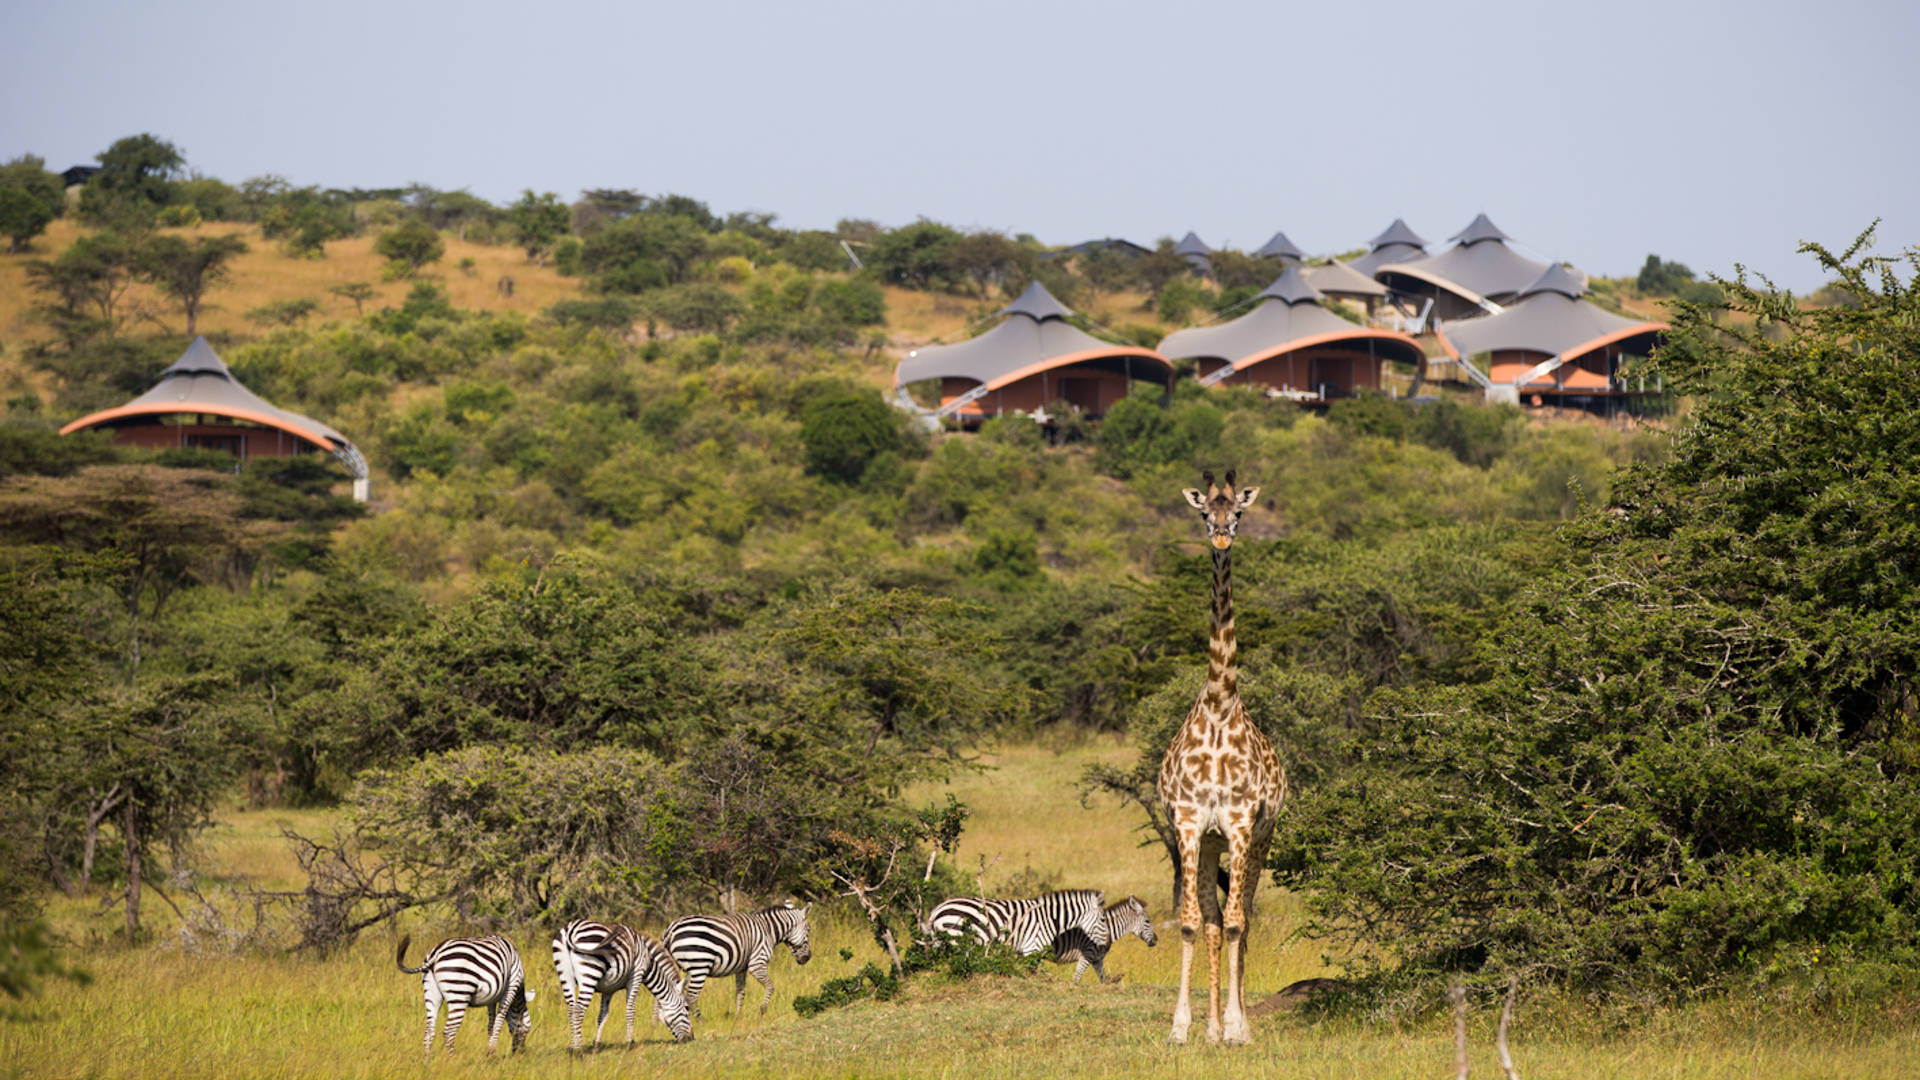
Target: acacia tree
{"type": "Point", "coordinates": [410, 246]}
{"type": "Point", "coordinates": [185, 271]}
{"type": "Point", "coordinates": [164, 527]}
{"type": "Point", "coordinates": [85, 285]}
{"type": "Point", "coordinates": [540, 220]}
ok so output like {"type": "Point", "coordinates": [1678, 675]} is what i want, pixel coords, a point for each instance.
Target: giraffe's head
{"type": "Point", "coordinates": [1220, 508]}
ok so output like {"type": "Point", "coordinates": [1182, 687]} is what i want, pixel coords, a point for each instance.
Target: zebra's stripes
{"type": "Point", "coordinates": [464, 972]}
{"type": "Point", "coordinates": [1129, 916]}
{"type": "Point", "coordinates": [1030, 926]}
{"type": "Point", "coordinates": [604, 958]}
{"type": "Point", "coordinates": [736, 945]}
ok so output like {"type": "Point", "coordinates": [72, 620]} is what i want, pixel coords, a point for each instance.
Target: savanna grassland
{"type": "Point", "coordinates": [661, 601]}
{"type": "Point", "coordinates": [167, 1010]}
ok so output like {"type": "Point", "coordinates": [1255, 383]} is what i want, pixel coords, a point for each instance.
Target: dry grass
{"type": "Point", "coordinates": [161, 1012]}
{"type": "Point", "coordinates": [266, 275]}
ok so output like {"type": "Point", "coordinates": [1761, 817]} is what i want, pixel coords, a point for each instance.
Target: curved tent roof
{"type": "Point", "coordinates": [1288, 317]}
{"type": "Point", "coordinates": [1035, 336]}
{"type": "Point", "coordinates": [1396, 244]}
{"type": "Point", "coordinates": [1280, 247]}
{"type": "Point", "coordinates": [1481, 266]}
{"type": "Point", "coordinates": [200, 382]}
{"type": "Point", "coordinates": [1549, 316]}
{"type": "Point", "coordinates": [1340, 279]}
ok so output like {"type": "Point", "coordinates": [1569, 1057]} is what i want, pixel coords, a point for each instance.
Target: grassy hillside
{"type": "Point", "coordinates": [266, 275]}
{"type": "Point", "coordinates": [180, 1010]}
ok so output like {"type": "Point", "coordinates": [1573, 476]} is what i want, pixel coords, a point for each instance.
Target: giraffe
{"type": "Point", "coordinates": [1223, 787]}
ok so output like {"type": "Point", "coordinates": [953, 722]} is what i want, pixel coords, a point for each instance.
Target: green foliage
{"type": "Point", "coordinates": [607, 312]}
{"type": "Point", "coordinates": [568, 257]}
{"type": "Point", "coordinates": [846, 432]}
{"type": "Point", "coordinates": [285, 312]}
{"type": "Point", "coordinates": [918, 256]}
{"type": "Point", "coordinates": [85, 285]}
{"type": "Point", "coordinates": [185, 271]}
{"type": "Point", "coordinates": [1659, 278]}
{"type": "Point", "coordinates": [22, 217]}
{"type": "Point", "coordinates": [540, 220]}
{"type": "Point", "coordinates": [695, 307]}
{"type": "Point", "coordinates": [136, 178]}
{"type": "Point", "coordinates": [28, 173]}
{"type": "Point", "coordinates": [1179, 297]}
{"type": "Point", "coordinates": [424, 301]}
{"type": "Point", "coordinates": [642, 252]}
{"type": "Point", "coordinates": [1690, 754]}
{"type": "Point", "coordinates": [1139, 433]}
{"type": "Point", "coordinates": [567, 661]}
{"type": "Point", "coordinates": [410, 246]}
{"type": "Point", "coordinates": [210, 199]}
{"type": "Point", "coordinates": [963, 958]}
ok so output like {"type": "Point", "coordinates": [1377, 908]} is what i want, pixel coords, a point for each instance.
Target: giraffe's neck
{"type": "Point", "coordinates": [1223, 670]}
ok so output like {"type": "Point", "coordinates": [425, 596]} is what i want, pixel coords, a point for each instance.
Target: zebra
{"type": "Point", "coordinates": [736, 945]}
{"type": "Point", "coordinates": [1129, 916]}
{"type": "Point", "coordinates": [597, 957]}
{"type": "Point", "coordinates": [1030, 926]}
{"type": "Point", "coordinates": [464, 972]}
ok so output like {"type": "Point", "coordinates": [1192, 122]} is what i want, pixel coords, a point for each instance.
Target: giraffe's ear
{"type": "Point", "coordinates": [1246, 497]}
{"type": "Point", "coordinates": [1195, 499]}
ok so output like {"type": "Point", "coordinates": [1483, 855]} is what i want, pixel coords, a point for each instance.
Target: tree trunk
{"type": "Point", "coordinates": [96, 813]}
{"type": "Point", "coordinates": [130, 825]}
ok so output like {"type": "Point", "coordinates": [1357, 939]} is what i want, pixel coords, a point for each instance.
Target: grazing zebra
{"type": "Point", "coordinates": [736, 945]}
{"type": "Point", "coordinates": [1028, 925]}
{"type": "Point", "coordinates": [1129, 916]}
{"type": "Point", "coordinates": [597, 957]}
{"type": "Point", "coordinates": [464, 972]}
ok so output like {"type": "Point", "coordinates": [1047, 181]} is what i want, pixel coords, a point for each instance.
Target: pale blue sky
{"type": "Point", "coordinates": [1709, 133]}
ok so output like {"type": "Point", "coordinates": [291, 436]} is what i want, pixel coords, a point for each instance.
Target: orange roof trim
{"type": "Point", "coordinates": [1356, 334]}
{"type": "Point", "coordinates": [166, 409]}
{"type": "Point", "coordinates": [1069, 359]}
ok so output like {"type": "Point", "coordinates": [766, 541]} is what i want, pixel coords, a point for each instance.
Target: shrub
{"type": "Point", "coordinates": [410, 246]}
{"type": "Point", "coordinates": [845, 432]}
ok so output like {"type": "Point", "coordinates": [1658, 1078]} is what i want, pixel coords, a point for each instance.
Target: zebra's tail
{"type": "Point", "coordinates": [400, 956]}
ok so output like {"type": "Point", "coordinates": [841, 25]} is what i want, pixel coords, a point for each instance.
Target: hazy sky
{"type": "Point", "coordinates": [1596, 133]}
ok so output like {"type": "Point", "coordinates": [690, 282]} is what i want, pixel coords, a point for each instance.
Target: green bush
{"type": "Point", "coordinates": [845, 432]}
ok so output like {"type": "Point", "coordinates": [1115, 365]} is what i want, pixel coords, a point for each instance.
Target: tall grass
{"type": "Point", "coordinates": [160, 1011]}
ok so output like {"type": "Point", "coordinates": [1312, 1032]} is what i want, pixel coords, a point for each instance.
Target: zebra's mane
{"type": "Point", "coordinates": [1131, 901]}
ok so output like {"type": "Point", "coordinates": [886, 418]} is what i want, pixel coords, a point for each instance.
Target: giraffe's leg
{"type": "Point", "coordinates": [739, 991]}
{"type": "Point", "coordinates": [1210, 912]}
{"type": "Point", "coordinates": [1238, 894]}
{"type": "Point", "coordinates": [633, 998]}
{"type": "Point", "coordinates": [760, 975]}
{"type": "Point", "coordinates": [456, 1012]}
{"type": "Point", "coordinates": [1189, 928]}
{"type": "Point", "coordinates": [606, 1005]}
